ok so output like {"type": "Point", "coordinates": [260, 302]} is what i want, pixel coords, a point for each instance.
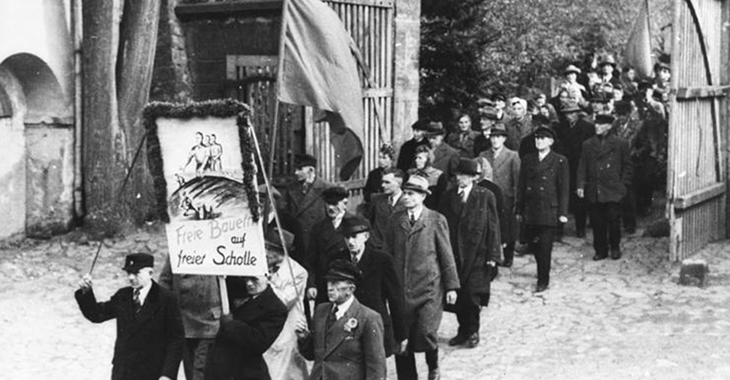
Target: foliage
{"type": "Point", "coordinates": [471, 47]}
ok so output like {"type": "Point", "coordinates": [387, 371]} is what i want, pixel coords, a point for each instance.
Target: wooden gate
{"type": "Point", "coordinates": [697, 179]}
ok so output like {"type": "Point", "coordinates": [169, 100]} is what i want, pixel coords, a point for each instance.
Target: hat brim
{"type": "Point", "coordinates": [416, 189]}
{"type": "Point", "coordinates": [498, 133]}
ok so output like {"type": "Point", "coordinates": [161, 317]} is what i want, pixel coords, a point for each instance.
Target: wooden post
{"type": "Point", "coordinates": [225, 307]}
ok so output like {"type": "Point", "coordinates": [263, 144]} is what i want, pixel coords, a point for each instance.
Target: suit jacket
{"type": "Point", "coordinates": [446, 159]}
{"type": "Point", "coordinates": [307, 208]}
{"type": "Point", "coordinates": [464, 145]}
{"type": "Point", "coordinates": [474, 235]}
{"type": "Point", "coordinates": [543, 191]}
{"type": "Point", "coordinates": [481, 144]}
{"type": "Point", "coordinates": [605, 170]}
{"type": "Point", "coordinates": [379, 212]}
{"type": "Point", "coordinates": [150, 343]}
{"type": "Point", "coordinates": [380, 287]}
{"type": "Point", "coordinates": [352, 352]}
{"type": "Point", "coordinates": [424, 263]}
{"type": "Point", "coordinates": [325, 241]}
{"type": "Point", "coordinates": [237, 352]}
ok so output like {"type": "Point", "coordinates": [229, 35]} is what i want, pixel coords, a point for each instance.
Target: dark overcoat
{"type": "Point", "coordinates": [506, 174]}
{"type": "Point", "coordinates": [340, 353]}
{"type": "Point", "coordinates": [380, 287]}
{"type": "Point", "coordinates": [474, 235]}
{"type": "Point", "coordinates": [237, 353]}
{"type": "Point", "coordinates": [571, 139]}
{"type": "Point", "coordinates": [497, 192]}
{"type": "Point", "coordinates": [407, 153]}
{"type": "Point", "coordinates": [149, 343]}
{"type": "Point", "coordinates": [307, 208]}
{"type": "Point", "coordinates": [324, 242]}
{"type": "Point", "coordinates": [464, 145]}
{"type": "Point", "coordinates": [424, 263]}
{"type": "Point", "coordinates": [543, 190]}
{"type": "Point", "coordinates": [379, 213]}
{"type": "Point", "coordinates": [605, 170]}
{"type": "Point", "coordinates": [446, 159]}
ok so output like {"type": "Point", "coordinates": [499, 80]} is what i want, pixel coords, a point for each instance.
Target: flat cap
{"type": "Point", "coordinates": [544, 131]}
{"type": "Point", "coordinates": [354, 225]}
{"type": "Point", "coordinates": [136, 261]}
{"type": "Point", "coordinates": [302, 160]}
{"type": "Point", "coordinates": [334, 194]}
{"type": "Point", "coordinates": [343, 270]}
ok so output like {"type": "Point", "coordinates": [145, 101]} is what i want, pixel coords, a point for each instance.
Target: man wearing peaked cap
{"type": "Point", "coordinates": [346, 337]}
{"type": "Point", "coordinates": [471, 214]}
{"type": "Point", "coordinates": [150, 334]}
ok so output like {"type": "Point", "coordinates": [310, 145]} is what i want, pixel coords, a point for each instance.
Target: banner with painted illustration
{"type": "Point", "coordinates": [201, 156]}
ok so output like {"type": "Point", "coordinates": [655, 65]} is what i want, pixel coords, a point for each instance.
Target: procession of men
{"type": "Point", "coordinates": [348, 287]}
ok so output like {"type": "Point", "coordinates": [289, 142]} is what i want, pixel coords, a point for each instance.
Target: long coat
{"type": "Point", "coordinates": [571, 139]}
{"type": "Point", "coordinates": [424, 263]}
{"type": "Point", "coordinates": [605, 169]}
{"type": "Point", "coordinates": [543, 191]}
{"type": "Point", "coordinates": [446, 159]}
{"type": "Point", "coordinates": [379, 213]}
{"type": "Point", "coordinates": [340, 354]}
{"type": "Point", "coordinates": [325, 241]}
{"type": "Point", "coordinates": [199, 300]}
{"type": "Point", "coordinates": [464, 145]}
{"type": "Point", "coordinates": [283, 358]}
{"type": "Point", "coordinates": [506, 174]}
{"type": "Point", "coordinates": [474, 235]}
{"type": "Point", "coordinates": [307, 208]}
{"type": "Point", "coordinates": [237, 353]}
{"type": "Point", "coordinates": [380, 287]}
{"type": "Point", "coordinates": [149, 344]}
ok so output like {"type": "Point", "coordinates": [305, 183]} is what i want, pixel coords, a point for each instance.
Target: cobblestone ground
{"type": "Point", "coordinates": [625, 319]}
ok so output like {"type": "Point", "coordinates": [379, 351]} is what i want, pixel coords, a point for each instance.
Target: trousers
{"type": "Point", "coordinates": [540, 240]}
{"type": "Point", "coordinates": [606, 219]}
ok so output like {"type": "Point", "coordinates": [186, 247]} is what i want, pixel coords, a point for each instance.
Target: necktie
{"type": "Point", "coordinates": [332, 318]}
{"type": "Point", "coordinates": [413, 219]}
{"type": "Point", "coordinates": [353, 257]}
{"type": "Point", "coordinates": [305, 187]}
{"type": "Point", "coordinates": [462, 195]}
{"type": "Point", "coordinates": [391, 202]}
{"type": "Point", "coordinates": [137, 303]}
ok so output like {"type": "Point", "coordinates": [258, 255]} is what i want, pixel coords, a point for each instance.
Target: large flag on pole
{"type": "Point", "coordinates": [638, 46]}
{"type": "Point", "coordinates": [317, 69]}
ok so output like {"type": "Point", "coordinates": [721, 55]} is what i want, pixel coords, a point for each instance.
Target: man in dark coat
{"type": "Point", "coordinates": [382, 206]}
{"type": "Point", "coordinates": [325, 241]}
{"type": "Point", "coordinates": [379, 285]}
{"type": "Point", "coordinates": [519, 126]}
{"type": "Point", "coordinates": [463, 139]}
{"type": "Point", "coordinates": [303, 198]}
{"type": "Point", "coordinates": [627, 126]}
{"type": "Point", "coordinates": [407, 152]}
{"type": "Point", "coordinates": [256, 321]}
{"type": "Point", "coordinates": [150, 334]}
{"type": "Point", "coordinates": [346, 341]}
{"type": "Point", "coordinates": [572, 132]}
{"type": "Point", "coordinates": [418, 240]}
{"type": "Point", "coordinates": [487, 121]}
{"type": "Point", "coordinates": [471, 213]}
{"type": "Point", "coordinates": [542, 200]}
{"type": "Point", "coordinates": [604, 174]}
{"type": "Point", "coordinates": [445, 157]}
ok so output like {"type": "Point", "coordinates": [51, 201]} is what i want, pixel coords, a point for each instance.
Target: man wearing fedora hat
{"type": "Point", "coordinates": [571, 80]}
{"type": "Point", "coordinates": [346, 339]}
{"type": "Point", "coordinates": [445, 157]}
{"type": "Point", "coordinates": [150, 334]}
{"type": "Point", "coordinates": [487, 121]}
{"type": "Point", "coordinates": [571, 133]}
{"type": "Point", "coordinates": [418, 240]}
{"type": "Point", "coordinates": [506, 173]}
{"type": "Point", "coordinates": [542, 201]}
{"type": "Point", "coordinates": [471, 213]}
{"type": "Point", "coordinates": [408, 150]}
{"type": "Point", "coordinates": [604, 175]}
{"type": "Point", "coordinates": [608, 67]}
{"type": "Point", "coordinates": [379, 288]}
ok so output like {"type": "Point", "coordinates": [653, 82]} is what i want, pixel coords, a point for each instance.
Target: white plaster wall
{"type": "Point", "coordinates": [12, 164]}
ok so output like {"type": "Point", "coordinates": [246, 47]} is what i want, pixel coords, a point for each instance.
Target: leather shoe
{"type": "Point", "coordinates": [458, 340]}
{"type": "Point", "coordinates": [540, 288]}
{"type": "Point", "coordinates": [473, 340]}
{"type": "Point", "coordinates": [598, 257]}
{"type": "Point", "coordinates": [434, 374]}
{"type": "Point", "coordinates": [615, 254]}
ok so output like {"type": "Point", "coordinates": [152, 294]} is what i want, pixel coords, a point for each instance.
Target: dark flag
{"type": "Point", "coordinates": [638, 46]}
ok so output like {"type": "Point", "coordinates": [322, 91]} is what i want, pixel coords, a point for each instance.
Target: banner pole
{"type": "Point", "coordinates": [279, 74]}
{"type": "Point", "coordinates": [225, 307]}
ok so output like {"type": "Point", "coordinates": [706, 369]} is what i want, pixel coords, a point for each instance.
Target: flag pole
{"type": "Point", "coordinates": [279, 71]}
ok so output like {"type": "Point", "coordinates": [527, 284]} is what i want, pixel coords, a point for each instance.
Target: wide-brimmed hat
{"type": "Point", "coordinates": [354, 225]}
{"type": "Point", "coordinates": [571, 69]}
{"type": "Point", "coordinates": [498, 130]}
{"type": "Point", "coordinates": [569, 106]}
{"type": "Point", "coordinates": [136, 261]}
{"type": "Point", "coordinates": [333, 195]}
{"type": "Point", "coordinates": [490, 113]}
{"type": "Point", "coordinates": [343, 270]}
{"type": "Point", "coordinates": [545, 131]}
{"type": "Point", "coordinates": [436, 128]}
{"type": "Point", "coordinates": [302, 160]}
{"type": "Point", "coordinates": [273, 240]}
{"type": "Point", "coordinates": [417, 183]}
{"type": "Point", "coordinates": [607, 60]}
{"type": "Point", "coordinates": [467, 166]}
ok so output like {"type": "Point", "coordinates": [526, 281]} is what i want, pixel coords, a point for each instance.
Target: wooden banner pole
{"type": "Point", "coordinates": [225, 307]}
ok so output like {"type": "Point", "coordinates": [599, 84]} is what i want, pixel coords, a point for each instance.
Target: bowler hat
{"type": "Point", "coordinates": [571, 69]}
{"type": "Point", "coordinates": [436, 128]}
{"type": "Point", "coordinates": [273, 240]}
{"type": "Point", "coordinates": [467, 166]}
{"type": "Point", "coordinates": [417, 183]}
{"type": "Point", "coordinates": [603, 118]}
{"type": "Point", "coordinates": [332, 195]}
{"type": "Point", "coordinates": [302, 160]}
{"type": "Point", "coordinates": [544, 131]}
{"type": "Point", "coordinates": [354, 225]}
{"type": "Point", "coordinates": [343, 270]}
{"type": "Point", "coordinates": [498, 130]}
{"type": "Point", "coordinates": [136, 261]}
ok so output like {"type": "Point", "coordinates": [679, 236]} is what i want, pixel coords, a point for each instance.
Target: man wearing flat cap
{"type": "Point", "coordinates": [150, 334]}
{"type": "Point", "coordinates": [445, 157]}
{"type": "Point", "coordinates": [604, 175]}
{"type": "Point", "coordinates": [379, 289]}
{"type": "Point", "coordinates": [542, 201]}
{"type": "Point", "coordinates": [326, 240]}
{"type": "Point", "coordinates": [471, 213]}
{"type": "Point", "coordinates": [346, 339]}
{"type": "Point", "coordinates": [288, 280]}
{"type": "Point", "coordinates": [408, 150]}
{"type": "Point", "coordinates": [303, 198]}
{"type": "Point", "coordinates": [418, 240]}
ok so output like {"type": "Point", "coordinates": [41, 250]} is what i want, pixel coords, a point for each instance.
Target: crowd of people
{"type": "Point", "coordinates": [347, 289]}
